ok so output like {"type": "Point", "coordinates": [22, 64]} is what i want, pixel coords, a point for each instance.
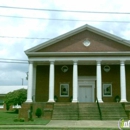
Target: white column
{"type": "Point", "coordinates": [75, 82]}
{"type": "Point", "coordinates": [34, 83]}
{"type": "Point", "coordinates": [122, 82]}
{"type": "Point", "coordinates": [30, 83]}
{"type": "Point", "coordinates": [99, 82]}
{"type": "Point", "coordinates": [51, 82]}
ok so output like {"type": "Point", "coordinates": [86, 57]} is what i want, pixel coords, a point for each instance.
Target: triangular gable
{"type": "Point", "coordinates": [86, 41]}
{"type": "Point", "coordinates": [73, 41]}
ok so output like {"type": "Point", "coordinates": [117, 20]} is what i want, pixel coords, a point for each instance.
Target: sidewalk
{"type": "Point", "coordinates": [83, 124]}
{"type": "Point", "coordinates": [67, 124]}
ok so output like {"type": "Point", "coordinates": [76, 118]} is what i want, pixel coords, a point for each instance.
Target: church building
{"type": "Point", "coordinates": [82, 65]}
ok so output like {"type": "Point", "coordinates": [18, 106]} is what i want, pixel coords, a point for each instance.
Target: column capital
{"type": "Point", "coordinates": [30, 62]}
{"type": "Point", "coordinates": [98, 62]}
{"type": "Point", "coordinates": [122, 62]}
{"type": "Point", "coordinates": [75, 62]}
{"type": "Point", "coordinates": [51, 61]}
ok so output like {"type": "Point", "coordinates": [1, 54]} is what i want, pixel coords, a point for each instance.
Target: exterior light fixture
{"type": "Point", "coordinates": [106, 68]}
{"type": "Point", "coordinates": [64, 68]}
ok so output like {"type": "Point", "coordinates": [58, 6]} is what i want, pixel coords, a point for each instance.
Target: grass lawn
{"type": "Point", "coordinates": [8, 118]}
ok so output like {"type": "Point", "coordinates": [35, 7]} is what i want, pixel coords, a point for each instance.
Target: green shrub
{"type": "Point", "coordinates": [38, 112]}
{"type": "Point", "coordinates": [21, 120]}
{"type": "Point", "coordinates": [16, 111]}
{"type": "Point", "coordinates": [7, 106]}
{"type": "Point", "coordinates": [31, 119]}
{"type": "Point", "coordinates": [16, 120]}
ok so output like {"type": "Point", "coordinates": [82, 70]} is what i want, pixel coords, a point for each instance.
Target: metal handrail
{"type": "Point", "coordinates": [78, 110]}
{"type": "Point", "coordinates": [99, 110]}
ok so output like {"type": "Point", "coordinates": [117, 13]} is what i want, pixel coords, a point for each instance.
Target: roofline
{"type": "Point", "coordinates": [53, 54]}
{"type": "Point", "coordinates": [78, 30]}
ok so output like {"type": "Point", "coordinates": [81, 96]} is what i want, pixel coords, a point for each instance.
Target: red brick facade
{"type": "Point", "coordinates": [75, 44]}
{"type": "Point", "coordinates": [113, 77]}
{"type": "Point", "coordinates": [68, 48]}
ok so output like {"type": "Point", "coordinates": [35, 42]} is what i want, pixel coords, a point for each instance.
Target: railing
{"type": "Point", "coordinates": [99, 110]}
{"type": "Point", "coordinates": [78, 110]}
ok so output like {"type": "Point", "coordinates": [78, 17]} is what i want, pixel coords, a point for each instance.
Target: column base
{"type": "Point", "coordinates": [100, 101]}
{"type": "Point", "coordinates": [74, 101]}
{"type": "Point", "coordinates": [29, 100]}
{"type": "Point", "coordinates": [51, 100]}
{"type": "Point", "coordinates": [123, 100]}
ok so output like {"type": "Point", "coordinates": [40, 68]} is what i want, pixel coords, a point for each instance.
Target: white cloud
{"type": "Point", "coordinates": [17, 27]}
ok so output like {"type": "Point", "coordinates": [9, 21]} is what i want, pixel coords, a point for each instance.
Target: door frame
{"type": "Point", "coordinates": [87, 81]}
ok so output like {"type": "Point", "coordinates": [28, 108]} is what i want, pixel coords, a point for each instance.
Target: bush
{"type": "Point", "coordinates": [38, 112]}
{"type": "Point", "coordinates": [16, 120]}
{"type": "Point", "coordinates": [31, 119]}
{"type": "Point", "coordinates": [7, 106]}
{"type": "Point", "coordinates": [19, 120]}
{"type": "Point", "coordinates": [16, 111]}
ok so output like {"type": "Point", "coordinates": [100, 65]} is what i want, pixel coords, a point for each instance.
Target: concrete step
{"type": "Point", "coordinates": [88, 111]}
{"type": "Point", "coordinates": [112, 111]}
{"type": "Point", "coordinates": [65, 111]}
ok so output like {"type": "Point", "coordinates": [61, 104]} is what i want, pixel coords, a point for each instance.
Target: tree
{"type": "Point", "coordinates": [16, 97]}
{"type": "Point", "coordinates": [38, 112]}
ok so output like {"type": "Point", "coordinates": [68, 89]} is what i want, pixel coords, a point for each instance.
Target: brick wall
{"type": "Point", "coordinates": [75, 44]}
{"type": "Point", "coordinates": [113, 77]}
{"type": "Point", "coordinates": [42, 83]}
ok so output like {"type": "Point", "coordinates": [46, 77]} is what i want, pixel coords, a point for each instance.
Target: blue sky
{"type": "Point", "coordinates": [13, 48]}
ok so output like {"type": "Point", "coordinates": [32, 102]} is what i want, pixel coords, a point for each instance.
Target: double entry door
{"type": "Point", "coordinates": [85, 93]}
{"type": "Point", "coordinates": [86, 89]}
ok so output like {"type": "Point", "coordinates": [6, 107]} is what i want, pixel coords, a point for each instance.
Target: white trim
{"type": "Point", "coordinates": [123, 53]}
{"type": "Point", "coordinates": [66, 87]}
{"type": "Point", "coordinates": [106, 84]}
{"type": "Point", "coordinates": [118, 58]}
{"type": "Point", "coordinates": [86, 78]}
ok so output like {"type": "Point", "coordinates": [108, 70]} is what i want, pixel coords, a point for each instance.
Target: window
{"type": "Point", "coordinates": [107, 90]}
{"type": "Point", "coordinates": [64, 90]}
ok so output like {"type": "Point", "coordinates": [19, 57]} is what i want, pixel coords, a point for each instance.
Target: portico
{"type": "Point", "coordinates": [75, 86]}
{"type": "Point", "coordinates": [57, 66]}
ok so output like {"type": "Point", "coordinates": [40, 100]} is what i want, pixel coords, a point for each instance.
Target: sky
{"type": "Point", "coordinates": [20, 34]}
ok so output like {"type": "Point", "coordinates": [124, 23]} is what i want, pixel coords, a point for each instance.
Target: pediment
{"type": "Point", "coordinates": [84, 39]}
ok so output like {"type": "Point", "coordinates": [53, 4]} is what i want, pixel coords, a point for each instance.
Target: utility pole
{"type": "Point", "coordinates": [22, 81]}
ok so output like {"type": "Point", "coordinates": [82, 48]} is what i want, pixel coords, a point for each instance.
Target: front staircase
{"type": "Point", "coordinates": [65, 111]}
{"type": "Point", "coordinates": [112, 111]}
{"type": "Point", "coordinates": [88, 111]}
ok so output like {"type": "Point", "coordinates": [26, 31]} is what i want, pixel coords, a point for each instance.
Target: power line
{"type": "Point", "coordinates": [19, 61]}
{"type": "Point", "coordinates": [14, 62]}
{"type": "Point", "coordinates": [63, 19]}
{"type": "Point", "coordinates": [43, 38]}
{"type": "Point", "coordinates": [55, 10]}
{"type": "Point", "coordinates": [13, 59]}
{"type": "Point", "coordinates": [23, 37]}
